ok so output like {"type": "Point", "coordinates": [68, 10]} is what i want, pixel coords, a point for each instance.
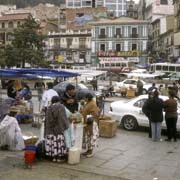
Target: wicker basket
{"type": "Point", "coordinates": [31, 141]}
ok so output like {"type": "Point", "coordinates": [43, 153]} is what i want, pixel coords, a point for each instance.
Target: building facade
{"type": "Point", "coordinates": [132, 9]}
{"type": "Point", "coordinates": [8, 23]}
{"type": "Point", "coordinates": [84, 3]}
{"type": "Point", "coordinates": [141, 9]}
{"type": "Point", "coordinates": [69, 47]}
{"type": "Point", "coordinates": [121, 39]}
{"type": "Point", "coordinates": [177, 27]}
{"type": "Point", "coordinates": [117, 7]}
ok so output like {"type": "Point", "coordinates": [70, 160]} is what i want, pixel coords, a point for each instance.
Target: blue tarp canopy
{"type": "Point", "coordinates": [34, 73]}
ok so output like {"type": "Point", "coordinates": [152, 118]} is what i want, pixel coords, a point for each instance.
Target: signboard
{"type": "Point", "coordinates": [118, 54]}
{"type": "Point", "coordinates": [111, 60]}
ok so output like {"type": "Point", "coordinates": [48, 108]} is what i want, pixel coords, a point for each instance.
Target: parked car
{"type": "Point", "coordinates": [129, 113]}
{"type": "Point", "coordinates": [131, 83]}
{"type": "Point", "coordinates": [81, 89]}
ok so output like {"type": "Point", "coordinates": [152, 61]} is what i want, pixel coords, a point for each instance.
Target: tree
{"type": "Point", "coordinates": [27, 46]}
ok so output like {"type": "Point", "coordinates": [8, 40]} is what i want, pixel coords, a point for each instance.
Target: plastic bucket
{"type": "Point", "coordinates": [29, 156]}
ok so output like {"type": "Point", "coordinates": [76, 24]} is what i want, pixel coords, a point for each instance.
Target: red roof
{"type": "Point", "coordinates": [19, 16]}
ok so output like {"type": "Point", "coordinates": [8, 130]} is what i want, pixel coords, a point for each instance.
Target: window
{"type": "Point", "coordinates": [102, 47]}
{"type": "Point", "coordinates": [164, 1]}
{"type": "Point", "coordinates": [18, 24]}
{"type": "Point", "coordinates": [134, 30]}
{"type": "Point", "coordinates": [102, 31]}
{"type": "Point", "coordinates": [10, 24]}
{"type": "Point", "coordinates": [171, 68]}
{"type": "Point", "coordinates": [134, 47]}
{"type": "Point", "coordinates": [118, 47]}
{"type": "Point", "coordinates": [118, 31]}
{"type": "Point", "coordinates": [139, 103]}
{"type": "Point", "coordinates": [3, 25]}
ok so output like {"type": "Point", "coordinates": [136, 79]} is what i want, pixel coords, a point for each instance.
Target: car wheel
{"type": "Point", "coordinates": [144, 91]}
{"type": "Point", "coordinates": [129, 123]}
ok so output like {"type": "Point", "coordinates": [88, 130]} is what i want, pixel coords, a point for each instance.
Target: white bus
{"type": "Point", "coordinates": [165, 68]}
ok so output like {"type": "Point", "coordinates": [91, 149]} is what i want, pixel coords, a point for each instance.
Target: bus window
{"type": "Point", "coordinates": [106, 64]}
{"type": "Point", "coordinates": [112, 65]}
{"type": "Point", "coordinates": [118, 65]}
{"type": "Point", "coordinates": [158, 68]}
{"type": "Point", "coordinates": [172, 68]}
{"type": "Point", "coordinates": [165, 68]}
{"type": "Point", "coordinates": [178, 69]}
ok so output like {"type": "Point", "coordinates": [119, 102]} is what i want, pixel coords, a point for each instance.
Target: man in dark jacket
{"type": "Point", "coordinates": [155, 107]}
{"type": "Point", "coordinates": [69, 98]}
{"type": "Point", "coordinates": [147, 112]}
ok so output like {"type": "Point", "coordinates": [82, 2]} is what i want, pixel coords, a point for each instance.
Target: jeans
{"type": "Point", "coordinates": [156, 131]}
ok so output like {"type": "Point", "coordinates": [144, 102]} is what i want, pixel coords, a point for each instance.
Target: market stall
{"type": "Point", "coordinates": [25, 108]}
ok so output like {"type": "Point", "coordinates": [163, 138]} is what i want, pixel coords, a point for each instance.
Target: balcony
{"type": "Point", "coordinates": [134, 35]}
{"type": "Point", "coordinates": [117, 35]}
{"type": "Point", "coordinates": [102, 36]}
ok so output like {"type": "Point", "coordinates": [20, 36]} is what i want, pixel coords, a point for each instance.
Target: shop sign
{"type": "Point", "coordinates": [118, 54]}
{"type": "Point", "coordinates": [111, 60]}
{"type": "Point", "coordinates": [133, 59]}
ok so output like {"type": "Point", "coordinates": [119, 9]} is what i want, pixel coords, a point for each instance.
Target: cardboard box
{"type": "Point", "coordinates": [131, 93]}
{"type": "Point", "coordinates": [107, 128]}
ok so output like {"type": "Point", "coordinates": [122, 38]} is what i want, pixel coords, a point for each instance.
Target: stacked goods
{"type": "Point", "coordinates": [107, 127]}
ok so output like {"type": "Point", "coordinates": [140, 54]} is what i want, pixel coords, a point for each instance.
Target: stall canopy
{"type": "Point", "coordinates": [35, 73]}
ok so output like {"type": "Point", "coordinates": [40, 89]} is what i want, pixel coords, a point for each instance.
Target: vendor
{"type": "Point", "coordinates": [11, 90]}
{"type": "Point", "coordinates": [91, 133]}
{"type": "Point", "coordinates": [10, 133]}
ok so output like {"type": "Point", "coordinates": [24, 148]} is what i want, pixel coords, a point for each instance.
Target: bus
{"type": "Point", "coordinates": [116, 66]}
{"type": "Point", "coordinates": [165, 68]}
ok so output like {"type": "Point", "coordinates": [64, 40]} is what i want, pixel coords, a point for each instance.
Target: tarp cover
{"type": "Point", "coordinates": [34, 73]}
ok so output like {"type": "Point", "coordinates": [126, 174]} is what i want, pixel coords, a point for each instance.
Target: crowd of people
{"type": "Point", "coordinates": [58, 120]}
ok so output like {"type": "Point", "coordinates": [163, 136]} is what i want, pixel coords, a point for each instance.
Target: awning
{"type": "Point", "coordinates": [34, 73]}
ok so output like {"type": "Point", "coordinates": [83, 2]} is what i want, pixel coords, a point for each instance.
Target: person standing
{"type": "Point", "coordinates": [171, 115]}
{"type": "Point", "coordinates": [47, 96]}
{"type": "Point", "coordinates": [90, 114]}
{"type": "Point", "coordinates": [40, 86]}
{"type": "Point", "coordinates": [139, 87]}
{"type": "Point", "coordinates": [69, 98]}
{"type": "Point", "coordinates": [152, 88]}
{"type": "Point", "coordinates": [155, 107]}
{"type": "Point", "coordinates": [147, 112]}
{"type": "Point", "coordinates": [56, 124]}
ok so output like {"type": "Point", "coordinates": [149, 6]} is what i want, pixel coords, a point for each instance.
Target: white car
{"type": "Point", "coordinates": [131, 83]}
{"type": "Point", "coordinates": [129, 113]}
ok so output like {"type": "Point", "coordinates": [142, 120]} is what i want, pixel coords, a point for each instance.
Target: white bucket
{"type": "Point", "coordinates": [74, 155]}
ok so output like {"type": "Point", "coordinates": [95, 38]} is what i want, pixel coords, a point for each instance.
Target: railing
{"type": "Point", "coordinates": [102, 36]}
{"type": "Point", "coordinates": [134, 35]}
{"type": "Point", "coordinates": [117, 35]}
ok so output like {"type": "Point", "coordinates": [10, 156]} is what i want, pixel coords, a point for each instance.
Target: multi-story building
{"type": "Point", "coordinates": [132, 9]}
{"type": "Point", "coordinates": [141, 9]}
{"type": "Point", "coordinates": [161, 34]}
{"type": "Point", "coordinates": [115, 7]}
{"type": "Point", "coordinates": [84, 3]}
{"type": "Point", "coordinates": [8, 23]}
{"type": "Point", "coordinates": [119, 39]}
{"type": "Point", "coordinates": [156, 9]}
{"type": "Point", "coordinates": [177, 27]}
{"type": "Point", "coordinates": [69, 47]}
{"type": "Point", "coordinates": [4, 8]}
